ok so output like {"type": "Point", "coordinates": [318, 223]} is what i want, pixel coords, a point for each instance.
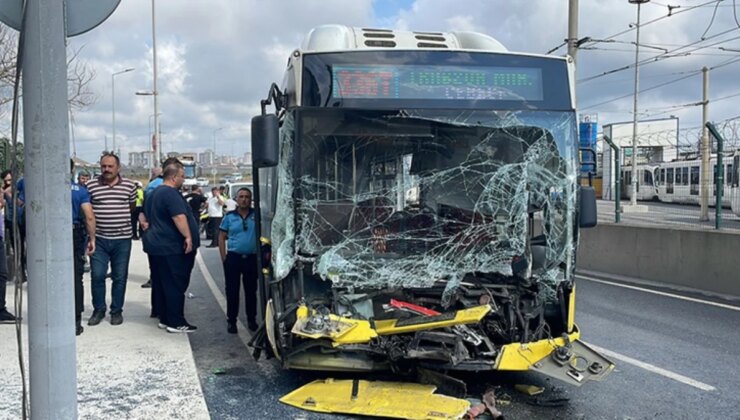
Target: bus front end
{"type": "Point", "coordinates": [424, 212]}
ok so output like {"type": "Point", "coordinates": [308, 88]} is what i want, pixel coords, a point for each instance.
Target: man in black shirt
{"type": "Point", "coordinates": [197, 201]}
{"type": "Point", "coordinates": [171, 240]}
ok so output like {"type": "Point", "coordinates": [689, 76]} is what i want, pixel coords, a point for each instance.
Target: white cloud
{"type": "Point", "coordinates": [217, 58]}
{"type": "Point", "coordinates": [461, 24]}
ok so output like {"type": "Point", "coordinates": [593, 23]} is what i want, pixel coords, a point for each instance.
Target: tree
{"type": "Point", "coordinates": [79, 74]}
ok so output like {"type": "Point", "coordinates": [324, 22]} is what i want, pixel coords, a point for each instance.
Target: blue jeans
{"type": "Point", "coordinates": [117, 252]}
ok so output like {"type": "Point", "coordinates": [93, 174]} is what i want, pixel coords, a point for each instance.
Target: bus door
{"type": "Point", "coordinates": [669, 181]}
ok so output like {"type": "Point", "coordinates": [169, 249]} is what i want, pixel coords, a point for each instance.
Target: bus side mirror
{"type": "Point", "coordinates": [587, 213]}
{"type": "Point", "coordinates": [265, 141]}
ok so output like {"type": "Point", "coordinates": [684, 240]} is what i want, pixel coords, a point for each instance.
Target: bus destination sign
{"type": "Point", "coordinates": [437, 82]}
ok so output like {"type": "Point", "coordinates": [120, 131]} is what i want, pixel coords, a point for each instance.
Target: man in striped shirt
{"type": "Point", "coordinates": [113, 198]}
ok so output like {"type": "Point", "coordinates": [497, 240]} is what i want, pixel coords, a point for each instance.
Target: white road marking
{"type": "Point", "coordinates": [655, 292]}
{"type": "Point", "coordinates": [220, 298]}
{"type": "Point", "coordinates": [652, 368]}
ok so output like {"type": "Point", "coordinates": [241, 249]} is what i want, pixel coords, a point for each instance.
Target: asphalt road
{"type": "Point", "coordinates": [669, 215]}
{"type": "Point", "coordinates": [675, 359]}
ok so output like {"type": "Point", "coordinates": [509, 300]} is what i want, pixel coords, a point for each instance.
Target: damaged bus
{"type": "Point", "coordinates": [421, 196]}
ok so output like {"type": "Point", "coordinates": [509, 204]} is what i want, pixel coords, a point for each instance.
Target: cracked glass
{"type": "Point", "coordinates": [414, 198]}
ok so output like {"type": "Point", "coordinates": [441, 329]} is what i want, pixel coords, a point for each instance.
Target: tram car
{"type": "Point", "coordinates": [734, 190]}
{"type": "Point", "coordinates": [679, 181]}
{"type": "Point", "coordinates": [646, 188]}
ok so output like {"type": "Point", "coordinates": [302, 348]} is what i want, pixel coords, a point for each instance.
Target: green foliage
{"type": "Point", "coordinates": [6, 155]}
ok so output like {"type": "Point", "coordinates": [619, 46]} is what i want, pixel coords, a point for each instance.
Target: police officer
{"type": "Point", "coordinates": [83, 237]}
{"type": "Point", "coordinates": [240, 262]}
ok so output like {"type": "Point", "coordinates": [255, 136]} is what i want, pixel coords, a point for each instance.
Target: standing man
{"type": "Point", "coordinates": [155, 181]}
{"type": "Point", "coordinates": [196, 201]}
{"type": "Point", "coordinates": [10, 209]}
{"type": "Point", "coordinates": [240, 262]}
{"type": "Point", "coordinates": [215, 214]}
{"type": "Point", "coordinates": [5, 316]}
{"type": "Point", "coordinates": [83, 237]}
{"type": "Point", "coordinates": [83, 177]}
{"type": "Point", "coordinates": [137, 210]}
{"type": "Point", "coordinates": [171, 240]}
{"type": "Point", "coordinates": [113, 198]}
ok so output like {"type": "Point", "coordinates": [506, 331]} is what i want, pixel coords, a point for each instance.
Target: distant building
{"type": "Point", "coordinates": [206, 158]}
{"type": "Point", "coordinates": [139, 159]}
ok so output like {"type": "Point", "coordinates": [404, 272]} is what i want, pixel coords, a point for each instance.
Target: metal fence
{"type": "Point", "coordinates": [670, 195]}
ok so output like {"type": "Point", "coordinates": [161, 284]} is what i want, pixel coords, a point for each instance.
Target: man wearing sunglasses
{"type": "Point", "coordinates": [237, 243]}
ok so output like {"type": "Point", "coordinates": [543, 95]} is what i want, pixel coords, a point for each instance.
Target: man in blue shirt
{"type": "Point", "coordinates": [83, 239]}
{"type": "Point", "coordinates": [240, 262]}
{"type": "Point", "coordinates": [155, 181]}
{"type": "Point", "coordinates": [171, 239]}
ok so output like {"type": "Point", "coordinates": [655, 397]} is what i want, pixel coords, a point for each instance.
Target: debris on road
{"type": "Point", "coordinates": [529, 389]}
{"type": "Point", "coordinates": [489, 399]}
{"type": "Point", "coordinates": [377, 398]}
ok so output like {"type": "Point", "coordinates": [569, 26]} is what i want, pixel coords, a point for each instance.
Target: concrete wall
{"type": "Point", "coordinates": [693, 259]}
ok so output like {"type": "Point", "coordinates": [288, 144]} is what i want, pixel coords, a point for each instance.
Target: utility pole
{"type": "Point", "coordinates": [113, 100]}
{"type": "Point", "coordinates": [633, 200]}
{"type": "Point", "coordinates": [157, 134]}
{"type": "Point", "coordinates": [51, 337]}
{"type": "Point", "coordinates": [705, 149]}
{"type": "Point", "coordinates": [573, 28]}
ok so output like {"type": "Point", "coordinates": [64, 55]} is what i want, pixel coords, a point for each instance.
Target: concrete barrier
{"type": "Point", "coordinates": [701, 260]}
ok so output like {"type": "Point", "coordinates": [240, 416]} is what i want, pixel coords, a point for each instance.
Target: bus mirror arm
{"type": "Point", "coordinates": [274, 96]}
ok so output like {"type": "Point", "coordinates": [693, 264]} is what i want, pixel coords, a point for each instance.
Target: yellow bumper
{"type": "Point", "coordinates": [518, 356]}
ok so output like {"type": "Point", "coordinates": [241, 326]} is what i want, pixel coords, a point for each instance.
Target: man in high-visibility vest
{"type": "Point", "coordinates": [138, 209]}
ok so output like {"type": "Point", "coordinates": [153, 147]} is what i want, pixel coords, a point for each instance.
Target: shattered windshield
{"type": "Point", "coordinates": [411, 197]}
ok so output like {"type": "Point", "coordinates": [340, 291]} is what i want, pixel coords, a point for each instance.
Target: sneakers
{"type": "Point", "coordinates": [187, 328]}
{"type": "Point", "coordinates": [96, 317]}
{"type": "Point", "coordinates": [78, 327]}
{"type": "Point", "coordinates": [6, 317]}
{"type": "Point", "coordinates": [162, 326]}
{"type": "Point", "coordinates": [147, 285]}
{"type": "Point", "coordinates": [116, 319]}
{"type": "Point", "coordinates": [252, 325]}
{"type": "Point", "coordinates": [231, 328]}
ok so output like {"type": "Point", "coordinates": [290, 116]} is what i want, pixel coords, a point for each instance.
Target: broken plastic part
{"type": "Point", "coordinates": [529, 389]}
{"type": "Point", "coordinates": [376, 199]}
{"type": "Point", "coordinates": [381, 399]}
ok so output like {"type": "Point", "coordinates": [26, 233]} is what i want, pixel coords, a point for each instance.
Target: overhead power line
{"type": "Point", "coordinates": [663, 56]}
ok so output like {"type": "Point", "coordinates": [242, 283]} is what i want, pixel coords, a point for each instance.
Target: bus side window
{"type": "Point", "coordinates": [736, 167]}
{"type": "Point", "coordinates": [685, 176]}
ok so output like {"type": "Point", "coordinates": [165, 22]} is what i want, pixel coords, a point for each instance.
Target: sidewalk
{"type": "Point", "coordinates": [133, 371]}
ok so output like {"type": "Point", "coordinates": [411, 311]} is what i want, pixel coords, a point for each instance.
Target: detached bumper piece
{"type": "Point", "coordinates": [379, 399]}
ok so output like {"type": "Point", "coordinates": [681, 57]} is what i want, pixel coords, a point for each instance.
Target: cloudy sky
{"type": "Point", "coordinates": [217, 58]}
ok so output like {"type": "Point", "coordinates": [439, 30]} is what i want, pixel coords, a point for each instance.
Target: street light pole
{"type": "Point", "coordinates": [113, 100]}
{"type": "Point", "coordinates": [633, 199]}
